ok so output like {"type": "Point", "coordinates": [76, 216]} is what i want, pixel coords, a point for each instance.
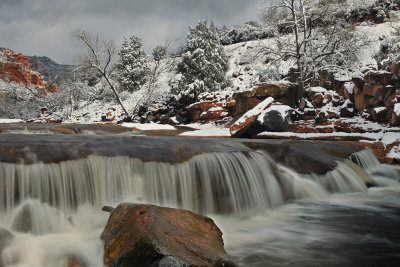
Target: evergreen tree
{"type": "Point", "coordinates": [133, 64]}
{"type": "Point", "coordinates": [389, 52]}
{"type": "Point", "coordinates": [203, 64]}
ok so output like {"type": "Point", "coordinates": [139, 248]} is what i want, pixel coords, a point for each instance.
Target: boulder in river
{"type": "Point", "coordinates": [147, 235]}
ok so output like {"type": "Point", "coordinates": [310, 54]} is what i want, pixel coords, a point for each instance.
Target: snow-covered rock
{"type": "Point", "coordinates": [396, 115]}
{"type": "Point", "coordinates": [275, 119]}
{"type": "Point", "coordinates": [239, 128]}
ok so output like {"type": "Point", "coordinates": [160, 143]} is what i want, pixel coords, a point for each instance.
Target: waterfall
{"type": "Point", "coordinates": [365, 159]}
{"type": "Point", "coordinates": [54, 209]}
{"type": "Point", "coordinates": [220, 182]}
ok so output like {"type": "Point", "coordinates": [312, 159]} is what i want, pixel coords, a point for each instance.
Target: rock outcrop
{"type": "Point", "coordinates": [15, 67]}
{"type": "Point", "coordinates": [147, 235]}
{"type": "Point", "coordinates": [284, 93]}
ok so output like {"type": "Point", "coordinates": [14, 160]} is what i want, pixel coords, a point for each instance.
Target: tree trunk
{"type": "Point", "coordinates": [116, 94]}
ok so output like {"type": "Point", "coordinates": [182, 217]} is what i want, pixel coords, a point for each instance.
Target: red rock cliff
{"type": "Point", "coordinates": [15, 67]}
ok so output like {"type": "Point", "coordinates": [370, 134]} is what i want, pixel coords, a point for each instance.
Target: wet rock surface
{"type": "Point", "coordinates": [32, 148]}
{"type": "Point", "coordinates": [147, 235]}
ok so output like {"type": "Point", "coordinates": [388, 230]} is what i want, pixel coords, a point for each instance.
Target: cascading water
{"type": "Point", "coordinates": [258, 201]}
{"type": "Point", "coordinates": [365, 159]}
{"type": "Point", "coordinates": [209, 183]}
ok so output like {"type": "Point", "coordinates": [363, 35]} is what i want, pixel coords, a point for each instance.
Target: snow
{"type": "Point", "coordinates": [10, 120]}
{"type": "Point", "coordinates": [215, 109]}
{"type": "Point", "coordinates": [148, 126]}
{"type": "Point", "coordinates": [390, 138]}
{"type": "Point", "coordinates": [349, 87]}
{"type": "Point", "coordinates": [397, 109]}
{"type": "Point", "coordinates": [255, 111]}
{"type": "Point", "coordinates": [379, 109]}
{"type": "Point", "coordinates": [394, 153]}
{"type": "Point", "coordinates": [207, 130]}
{"type": "Point", "coordinates": [282, 109]}
{"type": "Point", "coordinates": [374, 136]}
{"type": "Point", "coordinates": [317, 89]}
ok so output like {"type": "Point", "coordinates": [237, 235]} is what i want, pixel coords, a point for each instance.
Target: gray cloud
{"type": "Point", "coordinates": [43, 27]}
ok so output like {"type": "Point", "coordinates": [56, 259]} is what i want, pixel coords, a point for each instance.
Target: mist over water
{"type": "Point", "coordinates": [269, 214]}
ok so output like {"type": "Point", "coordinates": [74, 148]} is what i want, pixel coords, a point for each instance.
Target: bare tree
{"type": "Point", "coordinates": [309, 35]}
{"type": "Point", "coordinates": [100, 56]}
{"type": "Point", "coordinates": [162, 63]}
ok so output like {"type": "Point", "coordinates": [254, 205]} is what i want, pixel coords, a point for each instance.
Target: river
{"type": "Point", "coordinates": [278, 203]}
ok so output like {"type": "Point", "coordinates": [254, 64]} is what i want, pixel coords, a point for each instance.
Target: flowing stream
{"type": "Point", "coordinates": [270, 214]}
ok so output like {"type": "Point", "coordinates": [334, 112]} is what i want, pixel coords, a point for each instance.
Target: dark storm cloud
{"type": "Point", "coordinates": [43, 27]}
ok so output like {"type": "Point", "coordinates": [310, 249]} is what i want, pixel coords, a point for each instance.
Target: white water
{"type": "Point", "coordinates": [365, 159]}
{"type": "Point", "coordinates": [208, 183]}
{"type": "Point", "coordinates": [251, 188]}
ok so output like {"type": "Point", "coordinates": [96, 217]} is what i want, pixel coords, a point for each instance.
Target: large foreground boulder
{"type": "Point", "coordinates": [147, 235]}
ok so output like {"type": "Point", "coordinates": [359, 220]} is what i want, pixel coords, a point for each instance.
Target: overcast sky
{"type": "Point", "coordinates": [44, 27]}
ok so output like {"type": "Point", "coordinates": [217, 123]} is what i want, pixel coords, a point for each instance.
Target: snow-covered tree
{"type": "Point", "coordinates": [389, 52]}
{"type": "Point", "coordinates": [251, 30]}
{"type": "Point", "coordinates": [203, 64]}
{"type": "Point", "coordinates": [306, 35]}
{"type": "Point", "coordinates": [133, 64]}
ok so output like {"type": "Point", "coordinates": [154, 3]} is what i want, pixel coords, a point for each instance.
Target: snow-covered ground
{"type": "Point", "coordinates": [148, 126]}
{"type": "Point", "coordinates": [206, 130]}
{"type": "Point", "coordinates": [10, 121]}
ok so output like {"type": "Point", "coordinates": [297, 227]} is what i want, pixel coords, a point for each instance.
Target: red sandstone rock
{"type": "Point", "coordinates": [239, 128]}
{"type": "Point", "coordinates": [212, 113]}
{"type": "Point", "coordinates": [361, 101]}
{"type": "Point", "coordinates": [382, 114]}
{"type": "Point", "coordinates": [395, 69]}
{"type": "Point", "coordinates": [17, 69]}
{"type": "Point", "coordinates": [377, 77]}
{"type": "Point", "coordinates": [284, 93]}
{"type": "Point", "coordinates": [145, 235]}
{"type": "Point", "coordinates": [317, 100]}
{"type": "Point", "coordinates": [302, 104]}
{"type": "Point", "coordinates": [61, 130]}
{"type": "Point", "coordinates": [53, 88]}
